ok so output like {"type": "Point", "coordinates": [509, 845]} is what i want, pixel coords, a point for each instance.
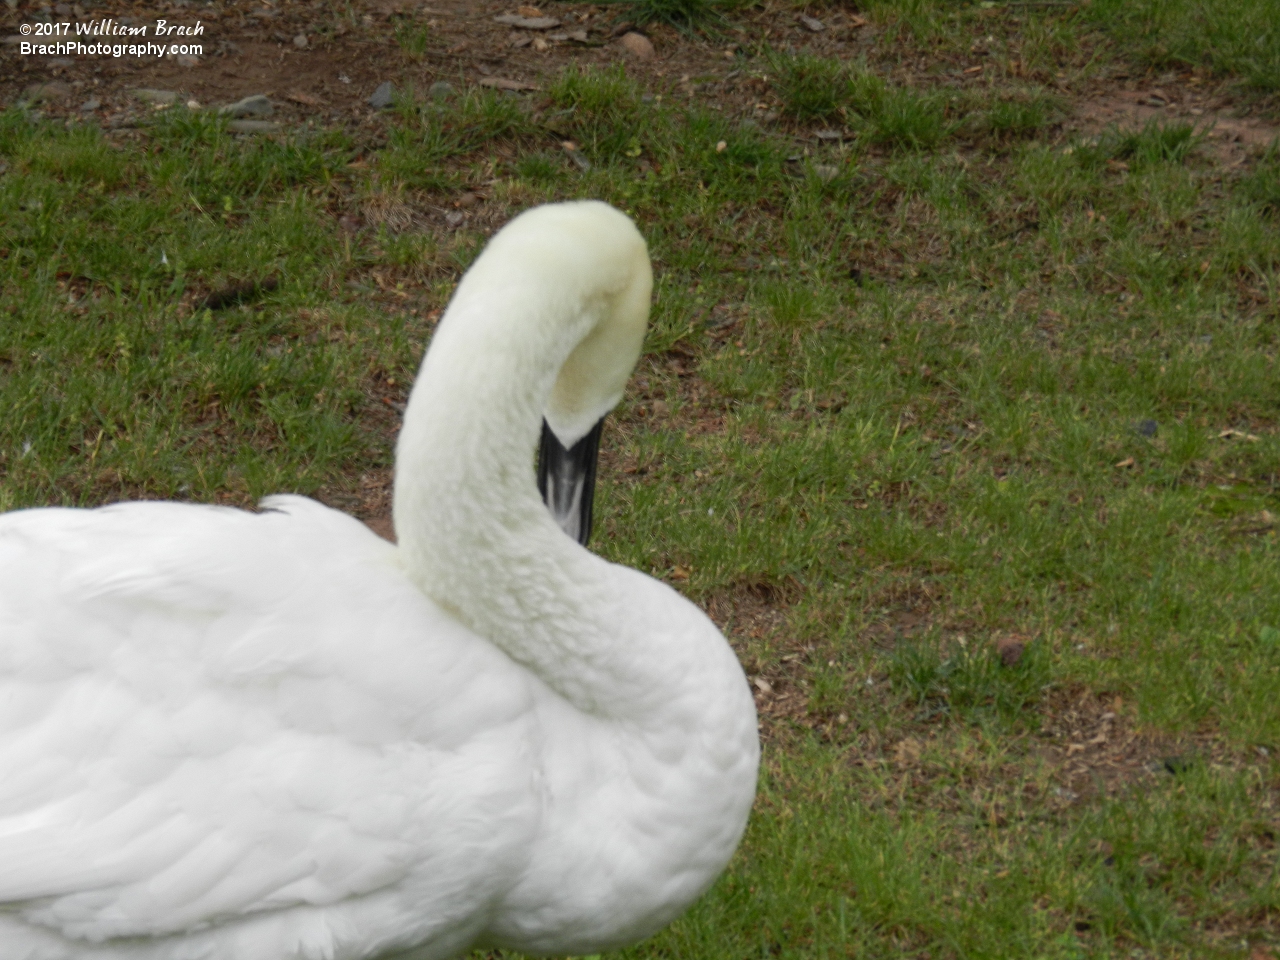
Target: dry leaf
{"type": "Point", "coordinates": [306, 99]}
{"type": "Point", "coordinates": [1125, 463]}
{"type": "Point", "coordinates": [763, 686]}
{"type": "Point", "coordinates": [529, 11]}
{"type": "Point", "coordinates": [907, 751]}
{"type": "Point", "coordinates": [680, 573]}
{"type": "Point", "coordinates": [1233, 434]}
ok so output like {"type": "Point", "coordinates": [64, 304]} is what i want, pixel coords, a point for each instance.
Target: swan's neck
{"type": "Point", "coordinates": [472, 528]}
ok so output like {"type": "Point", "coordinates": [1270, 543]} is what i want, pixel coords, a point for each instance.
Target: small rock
{"type": "Point", "coordinates": [384, 96]}
{"type": "Point", "coordinates": [59, 63]}
{"type": "Point", "coordinates": [42, 92]}
{"type": "Point", "coordinates": [826, 172]}
{"type": "Point", "coordinates": [638, 45]}
{"type": "Point", "coordinates": [187, 60]}
{"type": "Point", "coordinates": [540, 44]}
{"type": "Point", "coordinates": [520, 40]}
{"type": "Point", "coordinates": [440, 90]}
{"type": "Point", "coordinates": [454, 218]}
{"type": "Point", "coordinates": [90, 105]}
{"type": "Point", "coordinates": [300, 41]}
{"type": "Point", "coordinates": [812, 23]}
{"type": "Point", "coordinates": [1010, 650]}
{"type": "Point", "coordinates": [253, 126]}
{"type": "Point", "coordinates": [1146, 428]}
{"type": "Point", "coordinates": [829, 135]}
{"type": "Point", "coordinates": [255, 106]}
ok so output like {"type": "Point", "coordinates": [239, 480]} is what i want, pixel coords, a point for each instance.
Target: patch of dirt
{"type": "Point", "coordinates": [1232, 139]}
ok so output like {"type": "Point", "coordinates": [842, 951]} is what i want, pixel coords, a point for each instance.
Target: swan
{"type": "Point", "coordinates": [228, 735]}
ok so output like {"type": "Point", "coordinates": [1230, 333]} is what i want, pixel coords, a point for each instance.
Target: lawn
{"type": "Point", "coordinates": [959, 415]}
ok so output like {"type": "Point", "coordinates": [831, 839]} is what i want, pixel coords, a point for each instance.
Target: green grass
{"type": "Point", "coordinates": [896, 409]}
{"type": "Point", "coordinates": [1240, 38]}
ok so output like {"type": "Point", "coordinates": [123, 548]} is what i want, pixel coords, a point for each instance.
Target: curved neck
{"type": "Point", "coordinates": [473, 531]}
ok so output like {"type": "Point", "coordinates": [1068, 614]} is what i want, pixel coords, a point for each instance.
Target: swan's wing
{"type": "Point", "coordinates": [206, 714]}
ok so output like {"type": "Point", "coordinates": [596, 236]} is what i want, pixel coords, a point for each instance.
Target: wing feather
{"type": "Point", "coordinates": [208, 714]}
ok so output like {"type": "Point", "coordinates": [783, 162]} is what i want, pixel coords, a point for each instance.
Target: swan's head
{"type": "Point", "coordinates": [608, 287]}
{"type": "Point", "coordinates": [547, 324]}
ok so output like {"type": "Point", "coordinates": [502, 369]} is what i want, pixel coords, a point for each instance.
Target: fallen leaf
{"type": "Point", "coordinates": [907, 751]}
{"type": "Point", "coordinates": [305, 99]}
{"type": "Point", "coordinates": [1125, 463]}
{"type": "Point", "coordinates": [529, 11]}
{"type": "Point", "coordinates": [680, 573]}
{"type": "Point", "coordinates": [763, 686]}
{"type": "Point", "coordinates": [1233, 434]}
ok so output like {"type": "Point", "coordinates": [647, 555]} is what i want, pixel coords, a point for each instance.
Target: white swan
{"type": "Point", "coordinates": [237, 736]}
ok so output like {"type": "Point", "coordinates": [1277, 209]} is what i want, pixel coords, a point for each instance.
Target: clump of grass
{"type": "Point", "coordinates": [969, 682]}
{"type": "Point", "coordinates": [413, 39]}
{"type": "Point", "coordinates": [684, 15]}
{"type": "Point", "coordinates": [811, 87]}
{"type": "Point", "coordinates": [1262, 187]}
{"type": "Point", "coordinates": [433, 132]}
{"type": "Point", "coordinates": [1020, 116]}
{"type": "Point", "coordinates": [1242, 37]}
{"type": "Point", "coordinates": [1155, 144]}
{"type": "Point", "coordinates": [600, 108]}
{"type": "Point", "coordinates": [903, 117]}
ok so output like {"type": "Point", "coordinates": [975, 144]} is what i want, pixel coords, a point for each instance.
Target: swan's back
{"type": "Point", "coordinates": [199, 729]}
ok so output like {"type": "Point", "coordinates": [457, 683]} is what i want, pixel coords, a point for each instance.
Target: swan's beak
{"type": "Point", "coordinates": [567, 480]}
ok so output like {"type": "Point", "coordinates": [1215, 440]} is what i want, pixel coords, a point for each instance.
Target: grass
{"type": "Point", "coordinates": [957, 384]}
{"type": "Point", "coordinates": [1241, 38]}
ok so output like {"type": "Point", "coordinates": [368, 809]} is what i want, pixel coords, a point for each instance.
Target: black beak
{"type": "Point", "coordinates": [567, 480]}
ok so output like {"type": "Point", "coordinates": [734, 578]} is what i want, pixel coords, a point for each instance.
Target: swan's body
{"type": "Point", "coordinates": [235, 736]}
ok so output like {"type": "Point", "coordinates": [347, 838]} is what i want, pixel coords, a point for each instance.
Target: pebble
{"type": "Point", "coordinates": [384, 96]}
{"type": "Point", "coordinates": [440, 90]}
{"type": "Point", "coordinates": [300, 41]}
{"type": "Point", "coordinates": [638, 45]}
{"type": "Point", "coordinates": [254, 106]}
{"type": "Point", "coordinates": [813, 24]}
{"type": "Point", "coordinates": [1146, 428]}
{"type": "Point", "coordinates": [90, 105]}
{"type": "Point", "coordinates": [826, 172]}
